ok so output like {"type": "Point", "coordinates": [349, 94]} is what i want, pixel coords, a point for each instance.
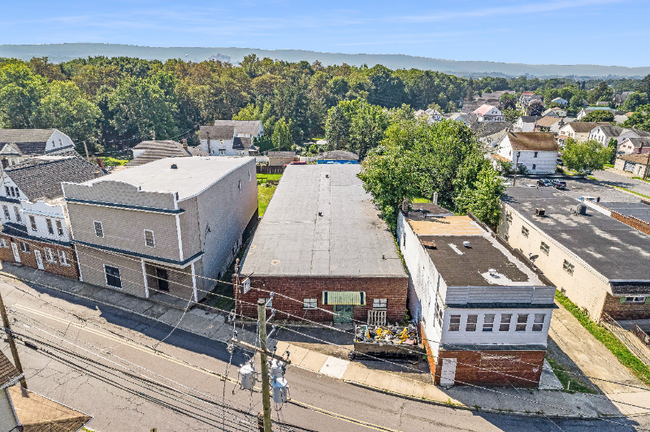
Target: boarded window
{"type": "Point", "coordinates": [344, 298]}
{"type": "Point", "coordinates": [470, 326]}
{"type": "Point", "coordinates": [454, 323]}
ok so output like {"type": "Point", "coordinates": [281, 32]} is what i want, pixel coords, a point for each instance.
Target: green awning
{"type": "Point", "coordinates": [357, 298]}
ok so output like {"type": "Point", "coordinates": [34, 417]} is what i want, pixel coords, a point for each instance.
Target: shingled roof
{"type": "Point", "coordinates": [250, 127]}
{"type": "Point", "coordinates": [242, 143]}
{"type": "Point", "coordinates": [547, 121]}
{"type": "Point", "coordinates": [636, 158]}
{"type": "Point", "coordinates": [154, 150]}
{"type": "Point", "coordinates": [583, 127]}
{"type": "Point", "coordinates": [216, 132]}
{"type": "Point", "coordinates": [40, 414]}
{"type": "Point", "coordinates": [537, 141]}
{"type": "Point", "coordinates": [41, 177]}
{"type": "Point", "coordinates": [29, 141]}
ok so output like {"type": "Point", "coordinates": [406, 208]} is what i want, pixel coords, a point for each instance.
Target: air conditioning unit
{"type": "Point", "coordinates": [540, 212]}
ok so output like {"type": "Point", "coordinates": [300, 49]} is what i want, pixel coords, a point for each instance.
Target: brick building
{"type": "Point", "coordinates": [35, 227]}
{"type": "Point", "coordinates": [322, 243]}
{"type": "Point", "coordinates": [600, 263]}
{"type": "Point", "coordinates": [484, 313]}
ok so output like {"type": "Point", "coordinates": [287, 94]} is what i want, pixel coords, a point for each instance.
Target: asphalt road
{"type": "Point", "coordinates": [614, 179]}
{"type": "Point", "coordinates": [99, 360]}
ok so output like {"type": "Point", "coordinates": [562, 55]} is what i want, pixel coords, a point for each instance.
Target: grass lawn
{"type": "Point", "coordinates": [565, 378]}
{"type": "Point", "coordinates": [631, 191]}
{"type": "Point", "coordinates": [265, 177]}
{"type": "Point", "coordinates": [609, 166]}
{"type": "Point", "coordinates": [421, 200]}
{"type": "Point", "coordinates": [264, 194]}
{"type": "Point", "coordinates": [638, 368]}
{"type": "Point", "coordinates": [642, 179]}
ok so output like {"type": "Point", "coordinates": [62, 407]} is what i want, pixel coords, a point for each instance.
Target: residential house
{"type": "Point", "coordinates": [630, 146]}
{"type": "Point", "coordinates": [431, 115]}
{"type": "Point", "coordinates": [526, 123]}
{"type": "Point", "coordinates": [583, 112]}
{"type": "Point", "coordinates": [26, 411]}
{"type": "Point", "coordinates": [637, 164]}
{"type": "Point", "coordinates": [478, 303]}
{"type": "Point", "coordinates": [149, 151]}
{"type": "Point", "coordinates": [549, 124]}
{"type": "Point", "coordinates": [218, 140]}
{"type": "Point", "coordinates": [549, 113]}
{"type": "Point", "coordinates": [595, 260]}
{"type": "Point", "coordinates": [605, 132]}
{"type": "Point", "coordinates": [489, 113]}
{"type": "Point", "coordinates": [16, 145]}
{"type": "Point", "coordinates": [187, 219]}
{"type": "Point", "coordinates": [536, 151]}
{"type": "Point", "coordinates": [527, 97]}
{"type": "Point", "coordinates": [555, 111]}
{"type": "Point", "coordinates": [35, 228]}
{"type": "Point", "coordinates": [467, 119]}
{"type": "Point", "coordinates": [324, 249]}
{"type": "Point", "coordinates": [338, 156]}
{"type": "Point", "coordinates": [246, 131]}
{"type": "Point", "coordinates": [620, 98]}
{"type": "Point", "coordinates": [560, 101]}
{"type": "Point", "coordinates": [579, 131]}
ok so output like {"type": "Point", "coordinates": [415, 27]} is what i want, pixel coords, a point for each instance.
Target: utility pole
{"type": "Point", "coordinates": [514, 180]}
{"type": "Point", "coordinates": [647, 166]}
{"type": "Point", "coordinates": [12, 343]}
{"type": "Point", "coordinates": [266, 390]}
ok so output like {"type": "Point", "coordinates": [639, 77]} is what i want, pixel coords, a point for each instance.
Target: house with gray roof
{"type": "Point", "coordinates": [536, 151]}
{"type": "Point", "coordinates": [149, 151]}
{"type": "Point", "coordinates": [35, 228]}
{"type": "Point", "coordinates": [246, 131]}
{"type": "Point", "coordinates": [629, 146]}
{"type": "Point", "coordinates": [16, 145]}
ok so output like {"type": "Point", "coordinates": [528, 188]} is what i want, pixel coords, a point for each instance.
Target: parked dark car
{"type": "Point", "coordinates": [544, 183]}
{"type": "Point", "coordinates": [559, 184]}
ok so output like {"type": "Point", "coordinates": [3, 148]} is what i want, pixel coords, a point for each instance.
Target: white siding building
{"type": "Point", "coordinates": [537, 151]}
{"type": "Point", "coordinates": [489, 113]}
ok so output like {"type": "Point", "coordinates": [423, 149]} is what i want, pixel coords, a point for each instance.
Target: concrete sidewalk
{"type": "Point", "coordinates": [214, 326]}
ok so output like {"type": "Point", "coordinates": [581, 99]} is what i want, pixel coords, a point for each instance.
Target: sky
{"type": "Point", "coordinates": [604, 32]}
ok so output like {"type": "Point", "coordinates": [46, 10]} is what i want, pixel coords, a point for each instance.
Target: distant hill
{"type": "Point", "coordinates": [64, 52]}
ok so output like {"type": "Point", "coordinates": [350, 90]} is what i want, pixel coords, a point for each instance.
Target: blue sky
{"type": "Point", "coordinates": [607, 32]}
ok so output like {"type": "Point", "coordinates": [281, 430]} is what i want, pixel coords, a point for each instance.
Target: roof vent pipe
{"type": "Point", "coordinates": [174, 166]}
{"type": "Point", "coordinates": [466, 244]}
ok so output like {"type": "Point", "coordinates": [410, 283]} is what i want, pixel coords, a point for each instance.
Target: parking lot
{"type": "Point", "coordinates": [586, 187]}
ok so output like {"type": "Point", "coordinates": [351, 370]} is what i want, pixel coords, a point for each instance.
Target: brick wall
{"type": "Point", "coordinates": [495, 368]}
{"type": "Point", "coordinates": [394, 289]}
{"type": "Point", "coordinates": [624, 311]}
{"type": "Point", "coordinates": [635, 223]}
{"type": "Point", "coordinates": [28, 259]}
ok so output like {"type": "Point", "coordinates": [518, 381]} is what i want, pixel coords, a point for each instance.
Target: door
{"type": "Point", "coordinates": [14, 249]}
{"type": "Point", "coordinates": [448, 372]}
{"type": "Point", "coordinates": [163, 281]}
{"type": "Point", "coordinates": [343, 314]}
{"type": "Point", "coordinates": [39, 259]}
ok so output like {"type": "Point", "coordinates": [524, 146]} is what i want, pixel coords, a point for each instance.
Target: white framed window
{"type": "Point", "coordinates": [112, 275]}
{"type": "Point", "coordinates": [470, 325]}
{"type": "Point", "coordinates": [3, 243]}
{"type": "Point", "coordinates": [454, 323]}
{"type": "Point", "coordinates": [633, 299]}
{"type": "Point", "coordinates": [59, 228]}
{"type": "Point", "coordinates": [538, 323]}
{"type": "Point", "coordinates": [488, 322]}
{"type": "Point", "coordinates": [50, 228]}
{"type": "Point", "coordinates": [63, 258]}
{"type": "Point", "coordinates": [5, 209]}
{"type": "Point", "coordinates": [49, 255]}
{"type": "Point", "coordinates": [544, 248]}
{"type": "Point", "coordinates": [99, 229]}
{"type": "Point", "coordinates": [149, 239]}
{"type": "Point", "coordinates": [17, 211]}
{"type": "Point", "coordinates": [310, 303]}
{"type": "Point", "coordinates": [380, 303]}
{"type": "Point", "coordinates": [509, 217]}
{"type": "Point", "coordinates": [32, 222]}
{"type": "Point", "coordinates": [522, 321]}
{"type": "Point", "coordinates": [568, 267]}
{"type": "Point", "coordinates": [524, 231]}
{"type": "Point", "coordinates": [504, 325]}
{"type": "Point", "coordinates": [24, 247]}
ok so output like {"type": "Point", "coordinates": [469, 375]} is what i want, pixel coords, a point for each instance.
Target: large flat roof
{"type": "Point", "coordinates": [191, 176]}
{"type": "Point", "coordinates": [483, 262]}
{"type": "Point", "coordinates": [638, 210]}
{"type": "Point", "coordinates": [321, 222]}
{"type": "Point", "coordinates": [615, 250]}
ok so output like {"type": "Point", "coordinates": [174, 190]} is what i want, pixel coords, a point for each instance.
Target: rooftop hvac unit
{"type": "Point", "coordinates": [581, 209]}
{"type": "Point", "coordinates": [540, 211]}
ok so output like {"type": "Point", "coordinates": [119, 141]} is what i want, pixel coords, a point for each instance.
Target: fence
{"type": "Point", "coordinates": [643, 336]}
{"type": "Point", "coordinates": [629, 339]}
{"type": "Point", "coordinates": [266, 169]}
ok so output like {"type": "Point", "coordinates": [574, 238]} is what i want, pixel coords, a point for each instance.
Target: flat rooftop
{"type": "Point", "coordinates": [638, 210]}
{"type": "Point", "coordinates": [321, 222]}
{"type": "Point", "coordinates": [615, 250]}
{"type": "Point", "coordinates": [484, 262]}
{"type": "Point", "coordinates": [192, 175]}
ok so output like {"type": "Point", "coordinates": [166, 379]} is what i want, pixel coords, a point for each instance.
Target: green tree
{"type": "Point", "coordinates": [337, 127]}
{"type": "Point", "coordinates": [367, 129]}
{"type": "Point", "coordinates": [640, 119]}
{"type": "Point", "coordinates": [613, 147]}
{"type": "Point", "coordinates": [20, 94]}
{"type": "Point", "coordinates": [634, 101]}
{"type": "Point", "coordinates": [65, 107]}
{"type": "Point", "coordinates": [602, 92]}
{"type": "Point", "coordinates": [511, 114]}
{"type": "Point", "coordinates": [282, 135]}
{"type": "Point", "coordinates": [483, 198]}
{"type": "Point", "coordinates": [583, 156]}
{"type": "Point", "coordinates": [536, 108]}
{"type": "Point", "coordinates": [599, 116]}
{"type": "Point", "coordinates": [508, 101]}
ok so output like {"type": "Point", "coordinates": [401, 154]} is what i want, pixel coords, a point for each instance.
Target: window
{"type": "Point", "coordinates": [488, 322]}
{"type": "Point", "coordinates": [633, 299]}
{"type": "Point", "coordinates": [310, 303]}
{"type": "Point", "coordinates": [454, 323]}
{"type": "Point", "coordinates": [380, 303]}
{"type": "Point", "coordinates": [99, 229]}
{"type": "Point", "coordinates": [568, 267]}
{"type": "Point", "coordinates": [250, 177]}
{"type": "Point", "coordinates": [3, 243]}
{"type": "Point", "coordinates": [8, 190]}
{"type": "Point", "coordinates": [24, 247]}
{"type": "Point", "coordinates": [112, 276]}
{"type": "Point", "coordinates": [50, 228]}
{"type": "Point", "coordinates": [524, 231]}
{"type": "Point", "coordinates": [509, 217]}
{"type": "Point", "coordinates": [49, 256]}
{"type": "Point", "coordinates": [239, 186]}
{"type": "Point", "coordinates": [63, 260]}
{"type": "Point", "coordinates": [544, 248]}
{"type": "Point", "coordinates": [522, 320]}
{"type": "Point", "coordinates": [535, 155]}
{"type": "Point", "coordinates": [149, 239]}
{"type": "Point", "coordinates": [470, 326]}
{"type": "Point", "coordinates": [538, 324]}
{"type": "Point", "coordinates": [59, 227]}
{"type": "Point", "coordinates": [32, 222]}
{"type": "Point", "coordinates": [221, 142]}
{"type": "Point", "coordinates": [534, 166]}
{"type": "Point", "coordinates": [222, 152]}
{"type": "Point", "coordinates": [17, 211]}
{"type": "Point", "coordinates": [5, 209]}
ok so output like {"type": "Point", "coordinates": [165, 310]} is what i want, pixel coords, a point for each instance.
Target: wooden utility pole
{"type": "Point", "coordinates": [514, 180]}
{"type": "Point", "coordinates": [12, 343]}
{"type": "Point", "coordinates": [266, 385]}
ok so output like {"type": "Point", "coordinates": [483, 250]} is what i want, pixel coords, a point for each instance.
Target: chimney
{"type": "Point", "coordinates": [100, 162]}
{"type": "Point", "coordinates": [185, 143]}
{"type": "Point", "coordinates": [405, 206]}
{"type": "Point", "coordinates": [207, 134]}
{"type": "Point", "coordinates": [435, 198]}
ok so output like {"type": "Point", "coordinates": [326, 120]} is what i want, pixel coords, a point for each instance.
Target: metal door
{"type": "Point", "coordinates": [39, 259]}
{"type": "Point", "coordinates": [343, 314]}
{"type": "Point", "coordinates": [448, 372]}
{"type": "Point", "coordinates": [14, 249]}
{"type": "Point", "coordinates": [163, 281]}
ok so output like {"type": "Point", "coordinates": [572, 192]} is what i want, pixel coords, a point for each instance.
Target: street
{"type": "Point", "coordinates": [108, 363]}
{"type": "Point", "coordinates": [613, 179]}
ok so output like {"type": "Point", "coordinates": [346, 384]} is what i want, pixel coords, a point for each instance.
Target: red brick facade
{"type": "Point", "coordinates": [625, 311]}
{"type": "Point", "coordinates": [495, 368]}
{"type": "Point", "coordinates": [393, 289]}
{"type": "Point", "coordinates": [28, 258]}
{"type": "Point", "coordinates": [635, 223]}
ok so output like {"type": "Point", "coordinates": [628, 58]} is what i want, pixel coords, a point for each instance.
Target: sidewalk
{"type": "Point", "coordinates": [213, 326]}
